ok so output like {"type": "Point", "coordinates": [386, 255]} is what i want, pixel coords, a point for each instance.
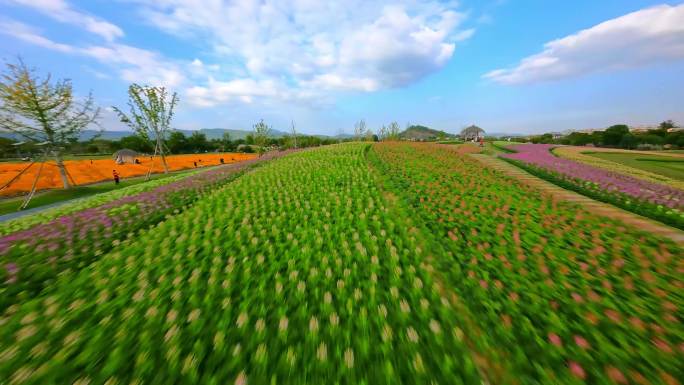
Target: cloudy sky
{"type": "Point", "coordinates": [520, 66]}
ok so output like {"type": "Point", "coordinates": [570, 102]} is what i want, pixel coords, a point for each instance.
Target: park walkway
{"type": "Point", "coordinates": [593, 206]}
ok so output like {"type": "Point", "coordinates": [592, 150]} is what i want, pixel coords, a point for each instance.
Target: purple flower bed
{"type": "Point", "coordinates": [31, 258]}
{"type": "Point", "coordinates": [539, 155]}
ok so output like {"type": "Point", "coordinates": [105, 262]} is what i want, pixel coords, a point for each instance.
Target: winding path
{"type": "Point", "coordinates": [589, 204]}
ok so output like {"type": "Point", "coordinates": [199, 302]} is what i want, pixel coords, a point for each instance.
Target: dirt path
{"type": "Point", "coordinates": [589, 204]}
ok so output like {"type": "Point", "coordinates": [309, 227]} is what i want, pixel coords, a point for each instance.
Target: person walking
{"type": "Point", "coordinates": [116, 177]}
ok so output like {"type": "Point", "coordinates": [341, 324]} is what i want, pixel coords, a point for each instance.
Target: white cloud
{"type": "Point", "coordinates": [28, 34]}
{"type": "Point", "coordinates": [648, 36]}
{"type": "Point", "coordinates": [61, 11]}
{"type": "Point", "coordinates": [133, 64]}
{"type": "Point", "coordinates": [310, 46]}
{"type": "Point", "coordinates": [274, 50]}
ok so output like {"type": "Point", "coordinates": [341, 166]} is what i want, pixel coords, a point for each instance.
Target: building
{"type": "Point", "coordinates": [125, 156]}
{"type": "Point", "coordinates": [472, 132]}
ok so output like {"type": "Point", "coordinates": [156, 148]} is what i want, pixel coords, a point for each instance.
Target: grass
{"type": "Point", "coordinates": [53, 196]}
{"type": "Point", "coordinates": [450, 142]}
{"type": "Point", "coordinates": [497, 147]}
{"type": "Point", "coordinates": [662, 165]}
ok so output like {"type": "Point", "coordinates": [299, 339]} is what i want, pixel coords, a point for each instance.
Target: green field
{"type": "Point", "coordinates": [662, 165]}
{"type": "Point", "coordinates": [387, 263]}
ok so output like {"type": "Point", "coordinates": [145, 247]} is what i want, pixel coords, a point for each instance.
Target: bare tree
{"type": "Point", "coordinates": [359, 129]}
{"type": "Point", "coordinates": [393, 131]}
{"type": "Point", "coordinates": [43, 111]}
{"type": "Point", "coordinates": [294, 134]}
{"type": "Point", "coordinates": [150, 115]}
{"type": "Point", "coordinates": [261, 133]}
{"type": "Point", "coordinates": [383, 133]}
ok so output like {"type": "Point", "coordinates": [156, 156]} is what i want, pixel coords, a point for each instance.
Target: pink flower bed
{"type": "Point", "coordinates": [539, 155]}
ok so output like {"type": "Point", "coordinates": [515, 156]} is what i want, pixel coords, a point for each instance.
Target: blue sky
{"type": "Point", "coordinates": [517, 66]}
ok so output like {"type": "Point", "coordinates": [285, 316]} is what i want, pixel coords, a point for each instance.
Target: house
{"type": "Point", "coordinates": [125, 156]}
{"type": "Point", "coordinates": [472, 132]}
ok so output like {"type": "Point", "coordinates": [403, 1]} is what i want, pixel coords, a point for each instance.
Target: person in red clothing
{"type": "Point", "coordinates": [116, 176]}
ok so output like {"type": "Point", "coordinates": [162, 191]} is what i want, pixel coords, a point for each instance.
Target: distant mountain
{"type": "Point", "coordinates": [505, 135]}
{"type": "Point", "coordinates": [217, 133]}
{"type": "Point", "coordinates": [418, 132]}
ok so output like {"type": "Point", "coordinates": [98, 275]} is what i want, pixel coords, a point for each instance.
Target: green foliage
{"type": "Point", "coordinates": [613, 134]}
{"type": "Point", "coordinates": [629, 141]}
{"type": "Point", "coordinates": [262, 132]}
{"type": "Point", "coordinates": [177, 143]}
{"type": "Point", "coordinates": [136, 143]}
{"type": "Point", "coordinates": [667, 125]}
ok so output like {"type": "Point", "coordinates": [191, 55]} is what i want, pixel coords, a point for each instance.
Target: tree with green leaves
{"type": "Point", "coordinates": [668, 124]}
{"type": "Point", "coordinates": [151, 111]}
{"type": "Point", "coordinates": [262, 132]}
{"type": "Point", "coordinates": [43, 111]}
{"type": "Point", "coordinates": [177, 143]}
{"type": "Point", "coordinates": [225, 141]}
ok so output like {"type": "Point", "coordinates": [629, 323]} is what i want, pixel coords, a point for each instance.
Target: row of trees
{"type": "Point", "coordinates": [389, 132]}
{"type": "Point", "coordinates": [620, 136]}
{"type": "Point", "coordinates": [50, 119]}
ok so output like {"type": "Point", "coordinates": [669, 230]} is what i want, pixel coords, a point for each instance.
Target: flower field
{"type": "Point", "coordinates": [654, 200]}
{"type": "Point", "coordinates": [555, 295]}
{"type": "Point", "coordinates": [301, 274]}
{"type": "Point", "coordinates": [79, 204]}
{"type": "Point", "coordinates": [84, 172]}
{"type": "Point", "coordinates": [390, 263]}
{"type": "Point", "coordinates": [35, 252]}
{"type": "Point", "coordinates": [577, 154]}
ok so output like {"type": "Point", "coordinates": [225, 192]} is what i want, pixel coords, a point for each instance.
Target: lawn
{"type": "Point", "coordinates": [662, 165]}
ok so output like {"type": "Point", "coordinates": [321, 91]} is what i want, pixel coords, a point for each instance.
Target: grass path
{"type": "Point", "coordinates": [589, 204]}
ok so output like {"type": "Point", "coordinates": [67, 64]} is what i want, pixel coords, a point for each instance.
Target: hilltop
{"type": "Point", "coordinates": [418, 132]}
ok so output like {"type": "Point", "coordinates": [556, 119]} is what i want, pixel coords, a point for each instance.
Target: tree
{"type": "Point", "coordinates": [177, 143]}
{"type": "Point", "coordinates": [150, 115]}
{"type": "Point", "coordinates": [135, 143]}
{"type": "Point", "coordinates": [383, 133]}
{"type": "Point", "coordinates": [197, 142]}
{"type": "Point", "coordinates": [612, 136]}
{"type": "Point", "coordinates": [668, 124]}
{"type": "Point", "coordinates": [44, 111]}
{"type": "Point", "coordinates": [294, 134]}
{"type": "Point", "coordinates": [359, 129]}
{"type": "Point", "coordinates": [225, 141]}
{"type": "Point", "coordinates": [261, 133]}
{"type": "Point", "coordinates": [628, 141]}
{"type": "Point", "coordinates": [393, 131]}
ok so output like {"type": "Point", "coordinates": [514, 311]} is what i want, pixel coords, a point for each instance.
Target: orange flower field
{"type": "Point", "coordinates": [88, 171]}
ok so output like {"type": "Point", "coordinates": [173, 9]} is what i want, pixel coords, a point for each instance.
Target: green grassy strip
{"type": "Point", "coordinates": [10, 205]}
{"type": "Point", "coordinates": [88, 196]}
